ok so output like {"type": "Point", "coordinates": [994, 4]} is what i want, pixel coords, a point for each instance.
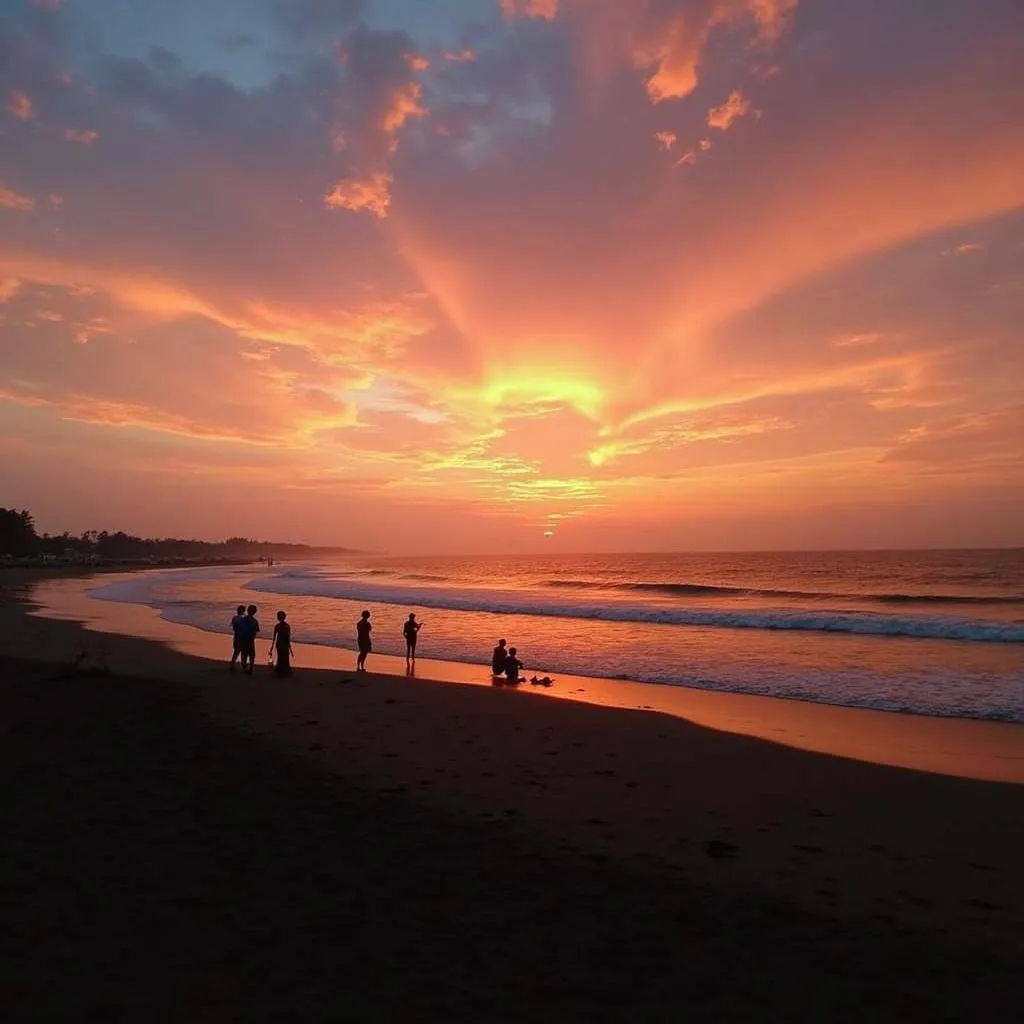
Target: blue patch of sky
{"type": "Point", "coordinates": [239, 40]}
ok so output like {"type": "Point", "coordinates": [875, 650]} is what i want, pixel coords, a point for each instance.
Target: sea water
{"type": "Point", "coordinates": [937, 632]}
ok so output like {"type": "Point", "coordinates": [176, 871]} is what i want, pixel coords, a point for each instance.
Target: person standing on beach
{"type": "Point", "coordinates": [411, 631]}
{"type": "Point", "coordinates": [236, 641]}
{"type": "Point", "coordinates": [363, 630]}
{"type": "Point", "coordinates": [498, 659]}
{"type": "Point", "coordinates": [248, 630]}
{"type": "Point", "coordinates": [282, 645]}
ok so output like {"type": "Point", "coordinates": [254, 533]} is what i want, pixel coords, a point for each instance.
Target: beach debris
{"type": "Point", "coordinates": [545, 681]}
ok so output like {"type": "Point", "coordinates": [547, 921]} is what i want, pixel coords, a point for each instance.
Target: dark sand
{"type": "Point", "coordinates": [216, 848]}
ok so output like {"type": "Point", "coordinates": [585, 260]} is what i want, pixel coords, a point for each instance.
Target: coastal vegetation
{"type": "Point", "coordinates": [20, 541]}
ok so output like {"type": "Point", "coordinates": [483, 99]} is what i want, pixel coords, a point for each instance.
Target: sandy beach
{"type": "Point", "coordinates": [201, 846]}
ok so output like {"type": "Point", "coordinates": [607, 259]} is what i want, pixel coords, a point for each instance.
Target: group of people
{"type": "Point", "coordinates": [411, 632]}
{"type": "Point", "coordinates": [245, 627]}
{"type": "Point", "coordinates": [505, 667]}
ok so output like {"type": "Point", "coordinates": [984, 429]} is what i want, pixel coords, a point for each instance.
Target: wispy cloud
{"type": "Point", "coordinates": [11, 200]}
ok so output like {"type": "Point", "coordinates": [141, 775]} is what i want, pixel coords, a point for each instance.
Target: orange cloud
{"type": "Point", "coordinates": [19, 106]}
{"type": "Point", "coordinates": [736, 106]}
{"type": "Point", "coordinates": [371, 135]}
{"type": "Point", "coordinates": [11, 200]}
{"type": "Point", "coordinates": [727, 425]}
{"type": "Point", "coordinates": [9, 287]}
{"type": "Point", "coordinates": [83, 138]}
{"type": "Point", "coordinates": [405, 104]}
{"type": "Point", "coordinates": [673, 44]}
{"type": "Point", "coordinates": [666, 140]}
{"type": "Point", "coordinates": [372, 194]}
{"type": "Point", "coordinates": [463, 56]}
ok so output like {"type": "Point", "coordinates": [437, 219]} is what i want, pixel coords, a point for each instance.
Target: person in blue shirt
{"type": "Point", "coordinates": [248, 630]}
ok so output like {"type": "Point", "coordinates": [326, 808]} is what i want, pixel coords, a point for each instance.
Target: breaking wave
{"type": "Point", "coordinates": [507, 602]}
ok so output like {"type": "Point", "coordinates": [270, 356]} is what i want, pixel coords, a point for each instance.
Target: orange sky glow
{"type": "Point", "coordinates": [516, 275]}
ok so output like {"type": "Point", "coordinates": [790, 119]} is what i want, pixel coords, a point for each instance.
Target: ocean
{"type": "Point", "coordinates": [920, 632]}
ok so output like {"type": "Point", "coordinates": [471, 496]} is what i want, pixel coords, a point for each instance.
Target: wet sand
{"type": "Point", "coordinates": [186, 843]}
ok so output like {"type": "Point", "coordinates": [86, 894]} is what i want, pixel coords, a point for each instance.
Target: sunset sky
{"type": "Point", "coordinates": [515, 275]}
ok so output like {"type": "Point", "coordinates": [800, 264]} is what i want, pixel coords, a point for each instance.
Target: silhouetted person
{"type": "Point", "coordinates": [236, 639]}
{"type": "Point", "coordinates": [363, 630]}
{"type": "Point", "coordinates": [512, 667]}
{"type": "Point", "coordinates": [282, 644]}
{"type": "Point", "coordinates": [411, 631]}
{"type": "Point", "coordinates": [248, 630]}
{"type": "Point", "coordinates": [498, 659]}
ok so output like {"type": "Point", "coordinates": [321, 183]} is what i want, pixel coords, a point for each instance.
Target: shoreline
{"type": "Point", "coordinates": [964, 747]}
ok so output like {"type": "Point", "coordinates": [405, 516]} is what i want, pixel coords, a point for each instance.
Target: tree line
{"type": "Point", "coordinates": [19, 539]}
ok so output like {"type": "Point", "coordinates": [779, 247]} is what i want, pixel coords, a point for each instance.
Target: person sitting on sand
{"type": "Point", "coordinates": [363, 630]}
{"type": "Point", "coordinates": [512, 667]}
{"type": "Point", "coordinates": [248, 630]}
{"type": "Point", "coordinates": [498, 659]}
{"type": "Point", "coordinates": [411, 631]}
{"type": "Point", "coordinates": [236, 639]}
{"type": "Point", "coordinates": [282, 645]}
